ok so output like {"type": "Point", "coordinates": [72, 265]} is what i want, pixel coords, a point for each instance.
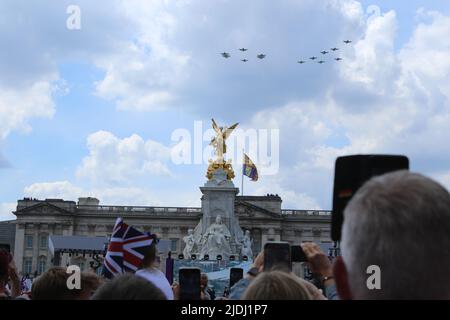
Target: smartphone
{"type": "Point", "coordinates": [277, 256]}
{"type": "Point", "coordinates": [297, 254]}
{"type": "Point", "coordinates": [189, 279]}
{"type": "Point", "coordinates": [350, 174]}
{"type": "Point", "coordinates": [236, 274]}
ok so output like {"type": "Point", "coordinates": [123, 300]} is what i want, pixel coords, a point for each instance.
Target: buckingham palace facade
{"type": "Point", "coordinates": [38, 220]}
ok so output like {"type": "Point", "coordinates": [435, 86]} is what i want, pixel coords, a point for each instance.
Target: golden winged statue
{"type": "Point", "coordinates": [219, 144]}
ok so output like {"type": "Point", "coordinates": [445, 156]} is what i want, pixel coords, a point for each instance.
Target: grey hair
{"type": "Point", "coordinates": [400, 222]}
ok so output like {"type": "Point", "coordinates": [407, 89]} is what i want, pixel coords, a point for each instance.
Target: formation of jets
{"type": "Point", "coordinates": [324, 52]}
{"type": "Point", "coordinates": [261, 56]}
{"type": "Point", "coordinates": [227, 55]}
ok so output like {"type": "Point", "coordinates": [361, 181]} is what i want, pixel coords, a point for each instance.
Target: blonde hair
{"type": "Point", "coordinates": [277, 285]}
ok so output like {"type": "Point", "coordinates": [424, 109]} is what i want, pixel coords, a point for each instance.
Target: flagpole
{"type": "Point", "coordinates": [242, 177]}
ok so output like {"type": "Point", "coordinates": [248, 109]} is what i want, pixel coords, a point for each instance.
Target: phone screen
{"type": "Point", "coordinates": [297, 254]}
{"type": "Point", "coordinates": [236, 274]}
{"type": "Point", "coordinates": [189, 283]}
{"type": "Point", "coordinates": [350, 173]}
{"type": "Point", "coordinates": [277, 255]}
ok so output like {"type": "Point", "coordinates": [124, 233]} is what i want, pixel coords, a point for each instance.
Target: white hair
{"type": "Point", "coordinates": [400, 222]}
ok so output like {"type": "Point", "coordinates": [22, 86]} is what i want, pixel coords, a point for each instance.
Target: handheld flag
{"type": "Point", "coordinates": [126, 249]}
{"type": "Point", "coordinates": [249, 169]}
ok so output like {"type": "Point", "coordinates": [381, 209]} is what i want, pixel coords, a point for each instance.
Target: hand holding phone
{"type": "Point", "coordinates": [277, 256]}
{"type": "Point", "coordinates": [319, 263]}
{"type": "Point", "coordinates": [189, 283]}
{"type": "Point", "coordinates": [236, 274]}
{"type": "Point", "coordinates": [297, 254]}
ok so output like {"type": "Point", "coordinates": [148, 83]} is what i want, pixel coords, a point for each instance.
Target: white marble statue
{"type": "Point", "coordinates": [247, 245]}
{"type": "Point", "coordinates": [190, 242]}
{"type": "Point", "coordinates": [216, 240]}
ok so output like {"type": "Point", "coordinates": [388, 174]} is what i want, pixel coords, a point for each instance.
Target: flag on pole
{"type": "Point", "coordinates": [249, 169]}
{"type": "Point", "coordinates": [126, 249]}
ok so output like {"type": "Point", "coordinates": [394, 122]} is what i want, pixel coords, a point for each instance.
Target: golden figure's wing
{"type": "Point", "coordinates": [216, 127]}
{"type": "Point", "coordinates": [230, 130]}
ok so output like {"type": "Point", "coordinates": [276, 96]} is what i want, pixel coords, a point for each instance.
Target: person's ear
{"type": "Point", "coordinates": [341, 277]}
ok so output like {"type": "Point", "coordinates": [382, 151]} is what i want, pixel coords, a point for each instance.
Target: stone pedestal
{"type": "Point", "coordinates": [218, 199]}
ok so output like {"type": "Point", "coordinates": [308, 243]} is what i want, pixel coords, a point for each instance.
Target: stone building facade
{"type": "Point", "coordinates": [37, 220]}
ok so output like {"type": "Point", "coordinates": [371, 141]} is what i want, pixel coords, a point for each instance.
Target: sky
{"type": "Point", "coordinates": [92, 111]}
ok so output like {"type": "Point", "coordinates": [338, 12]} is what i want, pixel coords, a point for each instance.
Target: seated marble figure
{"type": "Point", "coordinates": [216, 240]}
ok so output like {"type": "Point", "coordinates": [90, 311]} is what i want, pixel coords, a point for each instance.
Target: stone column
{"type": "Point", "coordinates": [19, 246]}
{"type": "Point", "coordinates": [34, 263]}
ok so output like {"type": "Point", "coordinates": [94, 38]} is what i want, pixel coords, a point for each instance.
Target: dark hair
{"type": "Point", "coordinates": [129, 287]}
{"type": "Point", "coordinates": [149, 256]}
{"type": "Point", "coordinates": [5, 259]}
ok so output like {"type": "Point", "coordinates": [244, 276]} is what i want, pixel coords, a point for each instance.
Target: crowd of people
{"type": "Point", "coordinates": [399, 222]}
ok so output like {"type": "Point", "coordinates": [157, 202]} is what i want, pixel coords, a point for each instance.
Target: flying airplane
{"type": "Point", "coordinates": [301, 61]}
{"type": "Point", "coordinates": [261, 56]}
{"type": "Point", "coordinates": [321, 61]}
{"type": "Point", "coordinates": [324, 52]}
{"type": "Point", "coordinates": [225, 54]}
{"type": "Point", "coordinates": [338, 59]}
{"type": "Point", "coordinates": [313, 58]}
{"type": "Point", "coordinates": [243, 49]}
{"type": "Point", "coordinates": [347, 41]}
{"type": "Point", "coordinates": [244, 60]}
{"type": "Point", "coordinates": [334, 49]}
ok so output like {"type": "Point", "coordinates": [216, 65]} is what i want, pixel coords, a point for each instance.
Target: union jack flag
{"type": "Point", "coordinates": [126, 249]}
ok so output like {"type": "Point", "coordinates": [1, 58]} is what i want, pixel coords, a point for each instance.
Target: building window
{"type": "Point", "coordinates": [42, 264]}
{"type": "Point", "coordinates": [27, 266]}
{"type": "Point", "coordinates": [29, 241]}
{"type": "Point", "coordinates": [43, 243]}
{"type": "Point", "coordinates": [173, 245]}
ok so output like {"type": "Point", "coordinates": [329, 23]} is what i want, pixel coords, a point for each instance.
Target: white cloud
{"type": "Point", "coordinates": [378, 99]}
{"type": "Point", "coordinates": [426, 57]}
{"type": "Point", "coordinates": [173, 58]}
{"type": "Point", "coordinates": [53, 190]}
{"type": "Point", "coordinates": [6, 210]}
{"type": "Point", "coordinates": [113, 160]}
{"type": "Point", "coordinates": [126, 196]}
{"type": "Point", "coordinates": [384, 102]}
{"type": "Point", "coordinates": [17, 106]}
{"type": "Point", "coordinates": [291, 199]}
{"type": "Point", "coordinates": [373, 61]}
{"type": "Point", "coordinates": [108, 196]}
